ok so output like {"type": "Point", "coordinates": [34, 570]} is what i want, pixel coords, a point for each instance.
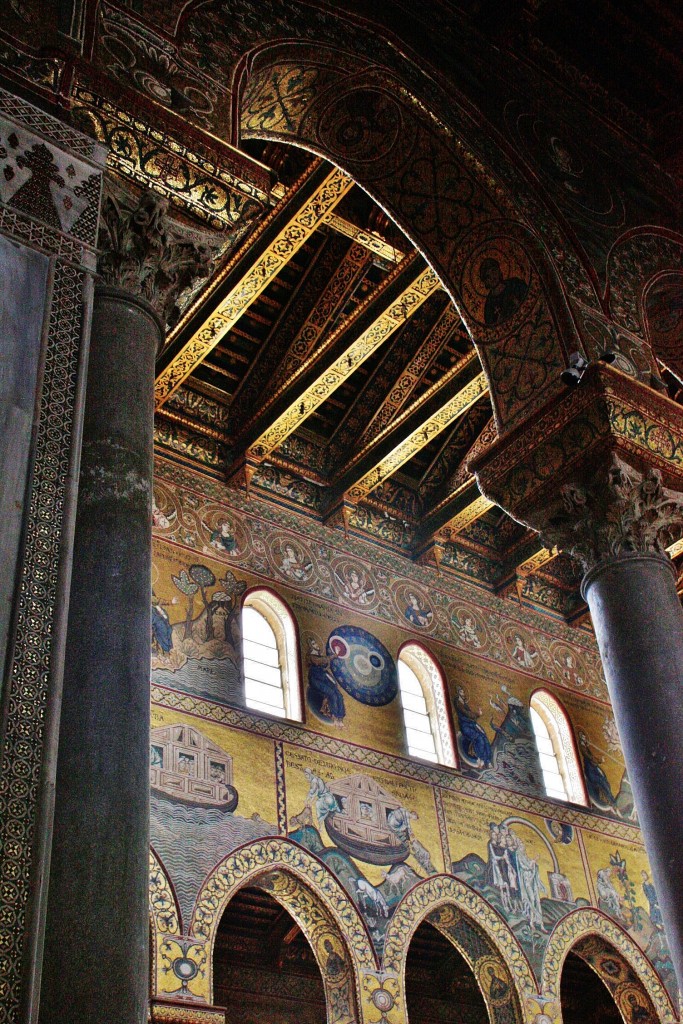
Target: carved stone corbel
{"type": "Point", "coordinates": [599, 473]}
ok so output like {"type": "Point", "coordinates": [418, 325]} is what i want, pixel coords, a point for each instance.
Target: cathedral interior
{"type": "Point", "coordinates": [341, 492]}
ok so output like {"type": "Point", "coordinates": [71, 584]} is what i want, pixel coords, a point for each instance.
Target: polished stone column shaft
{"type": "Point", "coordinates": [638, 623]}
{"type": "Point", "coordinates": [96, 950]}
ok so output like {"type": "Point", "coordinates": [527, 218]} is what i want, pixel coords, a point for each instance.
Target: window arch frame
{"type": "Point", "coordinates": [561, 733]}
{"type": "Point", "coordinates": [282, 620]}
{"type": "Point", "coordinates": [432, 680]}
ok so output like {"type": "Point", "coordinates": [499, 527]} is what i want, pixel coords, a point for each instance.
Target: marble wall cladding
{"type": "Point", "coordinates": [50, 187]}
{"type": "Point", "coordinates": [23, 281]}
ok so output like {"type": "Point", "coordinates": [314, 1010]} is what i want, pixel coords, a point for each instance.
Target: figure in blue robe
{"type": "Point", "coordinates": [597, 783]}
{"type": "Point", "coordinates": [162, 631]}
{"type": "Point", "coordinates": [324, 695]}
{"type": "Point", "coordinates": [475, 742]}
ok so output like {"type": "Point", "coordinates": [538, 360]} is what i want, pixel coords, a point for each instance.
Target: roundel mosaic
{"type": "Point", "coordinates": [362, 665]}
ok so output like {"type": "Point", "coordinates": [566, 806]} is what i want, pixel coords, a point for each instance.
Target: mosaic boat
{"type": "Point", "coordinates": [187, 766]}
{"type": "Point", "coordinates": [361, 825]}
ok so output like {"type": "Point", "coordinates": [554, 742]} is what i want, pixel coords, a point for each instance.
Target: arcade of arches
{"type": "Point", "coordinates": [341, 384]}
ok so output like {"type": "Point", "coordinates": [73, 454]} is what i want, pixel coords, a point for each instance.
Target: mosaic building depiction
{"type": "Point", "coordinates": [342, 512]}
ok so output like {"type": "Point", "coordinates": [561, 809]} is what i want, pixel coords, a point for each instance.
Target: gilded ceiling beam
{"type": "Point", "coordinates": [370, 240]}
{"type": "Point", "coordinates": [675, 549]}
{"type": "Point", "coordinates": [249, 272]}
{"type": "Point", "coordinates": [474, 510]}
{"type": "Point", "coordinates": [458, 502]}
{"type": "Point", "coordinates": [345, 350]}
{"type": "Point", "coordinates": [399, 393]}
{"type": "Point", "coordinates": [412, 430]}
{"type": "Point", "coordinates": [536, 561]}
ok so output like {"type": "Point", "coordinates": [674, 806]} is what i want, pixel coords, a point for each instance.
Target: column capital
{"type": "Point", "coordinates": [597, 472]}
{"type": "Point", "coordinates": [144, 253]}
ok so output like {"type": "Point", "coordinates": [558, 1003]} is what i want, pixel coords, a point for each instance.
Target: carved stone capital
{"type": "Point", "coordinates": [144, 253]}
{"type": "Point", "coordinates": [599, 473]}
{"type": "Point", "coordinates": [624, 512]}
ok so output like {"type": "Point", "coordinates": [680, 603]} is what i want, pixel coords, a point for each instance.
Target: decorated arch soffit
{"type": "Point", "coordinates": [481, 936]}
{"type": "Point", "coordinates": [313, 897]}
{"type": "Point", "coordinates": [377, 121]}
{"type": "Point", "coordinates": [637, 262]}
{"type": "Point", "coordinates": [615, 958]}
{"type": "Point", "coordinates": [500, 276]}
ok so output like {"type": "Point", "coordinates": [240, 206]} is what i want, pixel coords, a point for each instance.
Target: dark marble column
{"type": "Point", "coordinates": [638, 623]}
{"type": "Point", "coordinates": [96, 959]}
{"type": "Point", "coordinates": [597, 474]}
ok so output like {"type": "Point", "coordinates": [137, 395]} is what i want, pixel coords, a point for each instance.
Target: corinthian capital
{"type": "Point", "coordinates": [624, 512]}
{"type": "Point", "coordinates": [142, 252]}
{"type": "Point", "coordinates": [597, 472]}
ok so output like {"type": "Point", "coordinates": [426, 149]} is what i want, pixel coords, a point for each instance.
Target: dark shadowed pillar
{"type": "Point", "coordinates": [638, 623]}
{"type": "Point", "coordinates": [96, 960]}
{"type": "Point", "coordinates": [597, 474]}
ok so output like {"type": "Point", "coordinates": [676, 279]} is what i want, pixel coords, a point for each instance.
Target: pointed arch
{"type": "Point", "coordinates": [164, 910]}
{"type": "Point", "coordinates": [479, 934]}
{"type": "Point", "coordinates": [165, 919]}
{"type": "Point", "coordinates": [313, 897]}
{"type": "Point", "coordinates": [557, 725]}
{"type": "Point", "coordinates": [425, 671]}
{"type": "Point", "coordinates": [592, 936]}
{"type": "Point", "coordinates": [425, 175]}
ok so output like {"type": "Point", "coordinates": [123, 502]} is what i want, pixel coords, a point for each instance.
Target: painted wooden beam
{"type": "Point", "coordinates": [412, 430]}
{"type": "Point", "coordinates": [248, 274]}
{"type": "Point", "coordinates": [319, 376]}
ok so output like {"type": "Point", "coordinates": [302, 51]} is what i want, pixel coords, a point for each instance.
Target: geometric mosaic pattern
{"type": "Point", "coordinates": [33, 684]}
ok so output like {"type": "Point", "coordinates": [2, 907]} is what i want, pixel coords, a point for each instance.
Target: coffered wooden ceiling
{"type": "Point", "coordinates": [323, 366]}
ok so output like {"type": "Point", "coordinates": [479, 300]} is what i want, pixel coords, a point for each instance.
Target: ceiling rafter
{"type": "Point", "coordinates": [458, 503]}
{"type": "Point", "coordinates": [390, 388]}
{"type": "Point", "coordinates": [249, 273]}
{"type": "Point", "coordinates": [339, 288]}
{"type": "Point", "coordinates": [386, 309]}
{"type": "Point", "coordinates": [273, 349]}
{"type": "Point", "coordinates": [409, 432]}
{"type": "Point", "coordinates": [438, 476]}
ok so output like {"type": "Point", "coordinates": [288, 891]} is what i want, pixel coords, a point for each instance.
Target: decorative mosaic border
{"type": "Point", "coordinates": [501, 614]}
{"type": "Point", "coordinates": [445, 778]}
{"type": "Point", "coordinates": [31, 676]}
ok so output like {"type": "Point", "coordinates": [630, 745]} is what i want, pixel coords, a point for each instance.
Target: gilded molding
{"type": "Point", "coordinates": [393, 317]}
{"type": "Point", "coordinates": [177, 1013]}
{"type": "Point", "coordinates": [253, 283]}
{"type": "Point", "coordinates": [152, 158]}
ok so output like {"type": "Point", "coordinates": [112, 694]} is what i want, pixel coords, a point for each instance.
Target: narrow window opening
{"type": "Point", "coordinates": [269, 656]}
{"type": "Point", "coordinates": [561, 773]}
{"type": "Point", "coordinates": [425, 718]}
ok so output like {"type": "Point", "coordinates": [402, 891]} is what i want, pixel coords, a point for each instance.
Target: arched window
{"type": "Point", "coordinates": [269, 656]}
{"type": "Point", "coordinates": [424, 706]}
{"type": "Point", "coordinates": [561, 773]}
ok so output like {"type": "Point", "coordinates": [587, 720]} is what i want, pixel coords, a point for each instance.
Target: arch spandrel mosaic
{"type": "Point", "coordinates": [340, 793]}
